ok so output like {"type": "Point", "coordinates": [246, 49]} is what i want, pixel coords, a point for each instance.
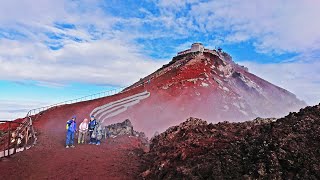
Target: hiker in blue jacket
{"type": "Point", "coordinates": [71, 128]}
{"type": "Point", "coordinates": [92, 125]}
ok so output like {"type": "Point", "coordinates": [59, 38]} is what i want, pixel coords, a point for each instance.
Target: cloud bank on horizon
{"type": "Point", "coordinates": [117, 42]}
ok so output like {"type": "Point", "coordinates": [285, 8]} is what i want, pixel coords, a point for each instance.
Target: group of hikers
{"type": "Point", "coordinates": [93, 128]}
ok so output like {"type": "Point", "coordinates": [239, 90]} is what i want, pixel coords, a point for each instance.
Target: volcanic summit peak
{"type": "Point", "coordinates": [193, 63]}
{"type": "Point", "coordinates": [198, 47]}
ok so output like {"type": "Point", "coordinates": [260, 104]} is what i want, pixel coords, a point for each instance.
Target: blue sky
{"type": "Point", "coordinates": [52, 51]}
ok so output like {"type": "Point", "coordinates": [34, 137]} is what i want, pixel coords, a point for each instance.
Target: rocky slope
{"type": "Point", "coordinates": [207, 85]}
{"type": "Point", "coordinates": [287, 148]}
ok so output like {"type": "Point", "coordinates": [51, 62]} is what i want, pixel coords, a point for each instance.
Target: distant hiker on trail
{"type": "Point", "coordinates": [97, 133]}
{"type": "Point", "coordinates": [71, 129]}
{"type": "Point", "coordinates": [83, 129]}
{"type": "Point", "coordinates": [92, 125]}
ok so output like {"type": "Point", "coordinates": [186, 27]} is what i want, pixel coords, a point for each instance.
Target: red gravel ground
{"type": "Point", "coordinates": [115, 159]}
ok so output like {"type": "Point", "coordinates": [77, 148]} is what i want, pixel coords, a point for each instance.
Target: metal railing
{"type": "Point", "coordinates": [81, 99]}
{"type": "Point", "coordinates": [16, 137]}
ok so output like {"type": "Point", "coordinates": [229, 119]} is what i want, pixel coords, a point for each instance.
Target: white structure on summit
{"type": "Point", "coordinates": [197, 47]}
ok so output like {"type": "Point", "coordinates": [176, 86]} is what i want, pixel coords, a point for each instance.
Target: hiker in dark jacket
{"type": "Point", "coordinates": [71, 128]}
{"type": "Point", "coordinates": [97, 133]}
{"type": "Point", "coordinates": [92, 125]}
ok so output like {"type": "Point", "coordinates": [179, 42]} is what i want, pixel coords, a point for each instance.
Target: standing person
{"type": "Point", "coordinates": [83, 129]}
{"type": "Point", "coordinates": [92, 125]}
{"type": "Point", "coordinates": [71, 129]}
{"type": "Point", "coordinates": [98, 132]}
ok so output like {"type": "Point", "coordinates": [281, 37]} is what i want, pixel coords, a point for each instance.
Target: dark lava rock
{"type": "Point", "coordinates": [287, 148]}
{"type": "Point", "coordinates": [125, 128]}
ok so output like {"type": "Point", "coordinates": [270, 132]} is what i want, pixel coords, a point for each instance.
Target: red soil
{"type": "Point", "coordinates": [115, 159]}
{"type": "Point", "coordinates": [5, 126]}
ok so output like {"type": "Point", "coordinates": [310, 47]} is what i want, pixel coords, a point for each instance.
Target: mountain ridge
{"type": "Point", "coordinates": [206, 84]}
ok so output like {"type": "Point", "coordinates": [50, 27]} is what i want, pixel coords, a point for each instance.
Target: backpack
{"type": "Point", "coordinates": [68, 125]}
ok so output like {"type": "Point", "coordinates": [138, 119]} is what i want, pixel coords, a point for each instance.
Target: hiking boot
{"type": "Point", "coordinates": [72, 146]}
{"type": "Point", "coordinates": [67, 147]}
{"type": "Point", "coordinates": [98, 144]}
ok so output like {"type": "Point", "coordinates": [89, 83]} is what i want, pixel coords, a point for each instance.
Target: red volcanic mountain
{"type": "Point", "coordinates": [202, 83]}
{"type": "Point", "coordinates": [197, 82]}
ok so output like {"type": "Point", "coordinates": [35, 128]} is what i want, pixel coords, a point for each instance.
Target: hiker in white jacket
{"type": "Point", "coordinates": [83, 129]}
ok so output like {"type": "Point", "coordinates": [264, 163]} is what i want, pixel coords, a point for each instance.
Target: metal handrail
{"type": "Point", "coordinates": [9, 141]}
{"type": "Point", "coordinates": [81, 99]}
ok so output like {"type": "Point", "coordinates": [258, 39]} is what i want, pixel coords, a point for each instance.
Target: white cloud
{"type": "Point", "coordinates": [275, 26]}
{"type": "Point", "coordinates": [10, 109]}
{"type": "Point", "coordinates": [103, 55]}
{"type": "Point", "coordinates": [300, 77]}
{"type": "Point", "coordinates": [175, 4]}
{"type": "Point", "coordinates": [101, 62]}
{"type": "Point", "coordinates": [44, 11]}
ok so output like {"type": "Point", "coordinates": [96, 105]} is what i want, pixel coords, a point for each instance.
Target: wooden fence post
{"type": "Point", "coordinates": [27, 137]}
{"type": "Point", "coordinates": [9, 140]}
{"type": "Point", "coordinates": [15, 144]}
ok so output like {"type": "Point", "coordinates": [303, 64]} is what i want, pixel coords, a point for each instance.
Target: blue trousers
{"type": "Point", "coordinates": [98, 141]}
{"type": "Point", "coordinates": [70, 138]}
{"type": "Point", "coordinates": [92, 140]}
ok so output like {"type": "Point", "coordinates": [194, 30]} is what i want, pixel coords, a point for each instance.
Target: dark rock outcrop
{"type": "Point", "coordinates": [125, 128]}
{"type": "Point", "coordinates": [288, 148]}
